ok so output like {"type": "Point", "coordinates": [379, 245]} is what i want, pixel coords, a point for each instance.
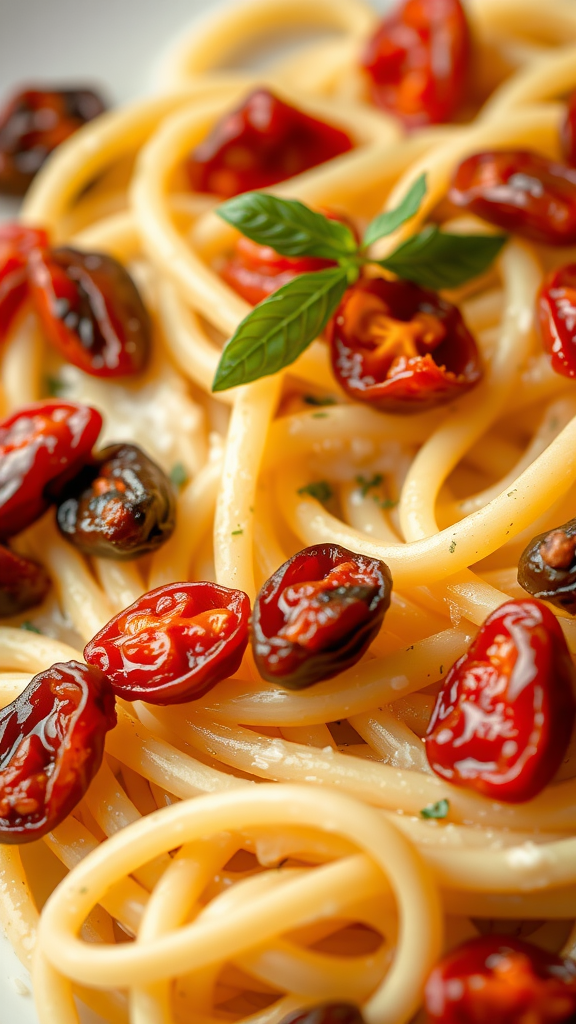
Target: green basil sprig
{"type": "Point", "coordinates": [281, 327]}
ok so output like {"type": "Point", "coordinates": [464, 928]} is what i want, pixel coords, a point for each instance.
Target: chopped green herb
{"type": "Point", "coordinates": [179, 475]}
{"type": "Point", "coordinates": [55, 387]}
{"type": "Point", "coordinates": [385, 503]}
{"type": "Point", "coordinates": [438, 810]}
{"type": "Point", "coordinates": [236, 533]}
{"type": "Point", "coordinates": [319, 489]}
{"type": "Point", "coordinates": [452, 547]}
{"type": "Point", "coordinates": [319, 415]}
{"type": "Point", "coordinates": [30, 627]}
{"type": "Point", "coordinates": [367, 484]}
{"type": "Point", "coordinates": [318, 400]}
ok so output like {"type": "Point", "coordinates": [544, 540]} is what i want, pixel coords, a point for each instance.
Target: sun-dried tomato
{"type": "Point", "coordinates": [121, 505]}
{"type": "Point", "coordinates": [401, 347]}
{"type": "Point", "coordinates": [16, 244]}
{"type": "Point", "coordinates": [417, 61]}
{"type": "Point", "coordinates": [499, 980]}
{"type": "Point", "coordinates": [23, 583]}
{"type": "Point", "coordinates": [173, 644]}
{"type": "Point", "coordinates": [503, 718]}
{"type": "Point", "coordinates": [317, 614]}
{"type": "Point", "coordinates": [91, 311]}
{"type": "Point", "coordinates": [569, 132]}
{"type": "Point", "coordinates": [33, 123]}
{"type": "Point", "coordinates": [557, 318]}
{"type": "Point", "coordinates": [547, 567]}
{"type": "Point", "coordinates": [41, 444]}
{"type": "Point", "coordinates": [51, 746]}
{"type": "Point", "coordinates": [519, 191]}
{"type": "Point", "coordinates": [260, 143]}
{"type": "Point", "coordinates": [255, 271]}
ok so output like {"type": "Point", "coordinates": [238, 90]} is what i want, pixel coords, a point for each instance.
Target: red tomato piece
{"type": "Point", "coordinates": [255, 271]}
{"type": "Point", "coordinates": [318, 614]}
{"type": "Point", "coordinates": [23, 583]}
{"type": "Point", "coordinates": [260, 143]}
{"type": "Point", "coordinates": [91, 311]}
{"type": "Point", "coordinates": [401, 347]}
{"type": "Point", "coordinates": [417, 61]}
{"type": "Point", "coordinates": [557, 317]}
{"type": "Point", "coordinates": [569, 132]}
{"type": "Point", "coordinates": [173, 644]}
{"type": "Point", "coordinates": [503, 718]}
{"type": "Point", "coordinates": [42, 444]}
{"type": "Point", "coordinates": [16, 244]}
{"type": "Point", "coordinates": [519, 191]}
{"type": "Point", "coordinates": [33, 123]}
{"type": "Point", "coordinates": [499, 980]}
{"type": "Point", "coordinates": [51, 746]}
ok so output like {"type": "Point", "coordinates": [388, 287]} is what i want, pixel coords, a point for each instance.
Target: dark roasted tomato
{"type": "Point", "coordinates": [401, 347]}
{"type": "Point", "coordinates": [417, 61]}
{"type": "Point", "coordinates": [121, 505]}
{"type": "Point", "coordinates": [255, 271]}
{"type": "Point", "coordinates": [260, 143]}
{"type": "Point", "coordinates": [547, 567]}
{"type": "Point", "coordinates": [521, 192]}
{"type": "Point", "coordinates": [326, 1013]}
{"type": "Point", "coordinates": [569, 132]}
{"type": "Point", "coordinates": [503, 718]}
{"type": "Point", "coordinates": [91, 311]}
{"type": "Point", "coordinates": [39, 445]}
{"type": "Point", "coordinates": [33, 123]}
{"type": "Point", "coordinates": [173, 644]}
{"type": "Point", "coordinates": [317, 614]}
{"type": "Point", "coordinates": [557, 317]}
{"type": "Point", "coordinates": [51, 746]}
{"type": "Point", "coordinates": [23, 583]}
{"type": "Point", "coordinates": [16, 244]}
{"type": "Point", "coordinates": [499, 980]}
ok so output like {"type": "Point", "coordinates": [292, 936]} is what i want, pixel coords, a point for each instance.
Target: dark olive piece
{"type": "Point", "coordinates": [326, 1013]}
{"type": "Point", "coordinates": [23, 583]}
{"type": "Point", "coordinates": [547, 567]}
{"type": "Point", "coordinates": [120, 506]}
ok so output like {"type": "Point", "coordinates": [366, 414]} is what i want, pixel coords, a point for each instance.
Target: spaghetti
{"type": "Point", "coordinates": [182, 888]}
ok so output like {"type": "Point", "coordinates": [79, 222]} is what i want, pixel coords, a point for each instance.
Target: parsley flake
{"type": "Point", "coordinates": [30, 627]}
{"type": "Point", "coordinates": [437, 811]}
{"type": "Point", "coordinates": [236, 533]}
{"type": "Point", "coordinates": [452, 547]}
{"type": "Point", "coordinates": [318, 400]}
{"type": "Point", "coordinates": [179, 475]}
{"type": "Point", "coordinates": [367, 484]}
{"type": "Point", "coordinates": [319, 489]}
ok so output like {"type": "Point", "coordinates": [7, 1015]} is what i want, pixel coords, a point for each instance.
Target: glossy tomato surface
{"type": "Point", "coordinates": [23, 582]}
{"type": "Point", "coordinates": [317, 615]}
{"type": "Point", "coordinates": [51, 746]}
{"type": "Point", "coordinates": [41, 445]}
{"type": "Point", "coordinates": [173, 644]}
{"type": "Point", "coordinates": [500, 980]}
{"type": "Point", "coordinates": [401, 347]}
{"type": "Point", "coordinates": [16, 243]}
{"type": "Point", "coordinates": [547, 567]}
{"type": "Point", "coordinates": [557, 318]}
{"type": "Point", "coordinates": [91, 311]}
{"type": "Point", "coordinates": [519, 191]}
{"type": "Point", "coordinates": [33, 123]}
{"type": "Point", "coordinates": [417, 61]}
{"type": "Point", "coordinates": [263, 141]}
{"type": "Point", "coordinates": [255, 271]}
{"type": "Point", "coordinates": [503, 718]}
{"type": "Point", "coordinates": [569, 132]}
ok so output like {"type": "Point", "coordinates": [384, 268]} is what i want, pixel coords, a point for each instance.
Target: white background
{"type": "Point", "coordinates": [115, 44]}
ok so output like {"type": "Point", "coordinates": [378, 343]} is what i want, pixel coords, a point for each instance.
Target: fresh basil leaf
{"type": "Point", "coordinates": [438, 810]}
{"type": "Point", "coordinates": [288, 226]}
{"type": "Point", "coordinates": [387, 222]}
{"type": "Point", "coordinates": [275, 333]}
{"type": "Point", "coordinates": [436, 259]}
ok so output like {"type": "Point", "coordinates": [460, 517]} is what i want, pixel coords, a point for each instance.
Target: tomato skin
{"type": "Point", "coordinates": [519, 191]}
{"type": "Point", "coordinates": [23, 583]}
{"type": "Point", "coordinates": [173, 644]}
{"type": "Point", "coordinates": [401, 60]}
{"type": "Point", "coordinates": [51, 746]}
{"type": "Point", "coordinates": [318, 614]}
{"type": "Point", "coordinates": [41, 445]}
{"type": "Point", "coordinates": [503, 718]}
{"type": "Point", "coordinates": [569, 132]}
{"type": "Point", "coordinates": [557, 318]}
{"type": "Point", "coordinates": [400, 347]}
{"type": "Point", "coordinates": [262, 142]}
{"type": "Point", "coordinates": [91, 311]}
{"type": "Point", "coordinates": [499, 980]}
{"type": "Point", "coordinates": [547, 567]}
{"type": "Point", "coordinates": [255, 271]}
{"type": "Point", "coordinates": [33, 123]}
{"type": "Point", "coordinates": [16, 244]}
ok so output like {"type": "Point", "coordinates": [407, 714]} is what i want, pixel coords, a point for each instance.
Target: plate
{"type": "Point", "coordinates": [117, 46]}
